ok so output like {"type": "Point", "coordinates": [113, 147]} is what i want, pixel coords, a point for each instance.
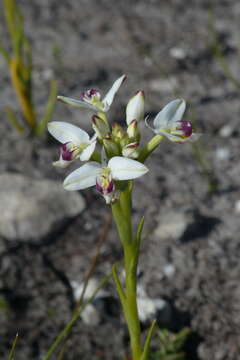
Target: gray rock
{"type": "Point", "coordinates": [185, 224]}
{"type": "Point", "coordinates": [163, 85]}
{"type": "Point", "coordinates": [226, 131]}
{"type": "Point", "coordinates": [172, 224]}
{"type": "Point", "coordinates": [31, 209]}
{"type": "Point", "coordinates": [237, 206]}
{"type": "Point", "coordinates": [169, 270]}
{"type": "Point", "coordinates": [223, 154]}
{"type": "Point", "coordinates": [178, 53]}
{"type": "Point", "coordinates": [147, 306]}
{"type": "Point", "coordinates": [90, 315]}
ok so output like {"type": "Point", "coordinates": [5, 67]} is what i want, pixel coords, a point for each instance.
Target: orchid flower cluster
{"type": "Point", "coordinates": [121, 155]}
{"type": "Point", "coordinates": [111, 167]}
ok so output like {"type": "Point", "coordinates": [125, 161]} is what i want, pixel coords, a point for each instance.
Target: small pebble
{"type": "Point", "coordinates": [222, 153]}
{"type": "Point", "coordinates": [226, 131]}
{"type": "Point", "coordinates": [169, 270]}
{"type": "Point", "coordinates": [237, 206]}
{"type": "Point", "coordinates": [178, 53]}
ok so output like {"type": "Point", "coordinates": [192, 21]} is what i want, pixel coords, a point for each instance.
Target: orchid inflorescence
{"type": "Point", "coordinates": [121, 155]}
{"type": "Point", "coordinates": [111, 170]}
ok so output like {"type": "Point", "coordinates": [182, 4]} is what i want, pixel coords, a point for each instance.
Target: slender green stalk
{"type": "Point", "coordinates": [122, 216]}
{"type": "Point", "coordinates": [132, 314]}
{"type": "Point", "coordinates": [41, 126]}
{"type": "Point", "coordinates": [13, 120]}
{"type": "Point", "coordinates": [124, 226]}
{"type": "Point", "coordinates": [150, 147]}
{"type": "Point", "coordinates": [148, 340]}
{"type": "Point", "coordinates": [12, 351]}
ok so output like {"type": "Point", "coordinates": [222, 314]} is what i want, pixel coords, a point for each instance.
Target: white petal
{"type": "Point", "coordinates": [171, 113]}
{"type": "Point", "coordinates": [108, 99]}
{"type": "Point", "coordinates": [76, 103]}
{"type": "Point", "coordinates": [147, 125]}
{"type": "Point", "coordinates": [65, 132]}
{"type": "Point", "coordinates": [125, 169]}
{"type": "Point", "coordinates": [83, 177]}
{"type": "Point", "coordinates": [87, 153]}
{"type": "Point", "coordinates": [170, 137]}
{"type": "Point", "coordinates": [135, 108]}
{"type": "Point", "coordinates": [178, 139]}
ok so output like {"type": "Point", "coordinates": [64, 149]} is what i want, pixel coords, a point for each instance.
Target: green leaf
{"type": "Point", "coordinates": [12, 351]}
{"type": "Point", "coordinates": [4, 53]}
{"type": "Point", "coordinates": [14, 121]}
{"type": "Point", "coordinates": [148, 341]}
{"type": "Point", "coordinates": [48, 110]}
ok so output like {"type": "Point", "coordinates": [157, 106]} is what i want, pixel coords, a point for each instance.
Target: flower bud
{"type": "Point", "coordinates": [135, 108]}
{"type": "Point", "coordinates": [111, 148]}
{"type": "Point", "coordinates": [131, 150]}
{"type": "Point", "coordinates": [118, 132]}
{"type": "Point", "coordinates": [133, 131]}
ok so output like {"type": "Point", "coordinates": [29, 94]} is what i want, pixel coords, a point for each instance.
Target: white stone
{"type": "Point", "coordinates": [91, 287]}
{"type": "Point", "coordinates": [172, 225]}
{"type": "Point", "coordinates": [223, 153]}
{"type": "Point", "coordinates": [31, 209]}
{"type": "Point", "coordinates": [226, 131]}
{"type": "Point", "coordinates": [90, 315]}
{"type": "Point", "coordinates": [237, 206]}
{"type": "Point", "coordinates": [169, 270]}
{"type": "Point", "coordinates": [148, 307]}
{"type": "Point", "coordinates": [178, 53]}
{"type": "Point", "coordinates": [163, 85]}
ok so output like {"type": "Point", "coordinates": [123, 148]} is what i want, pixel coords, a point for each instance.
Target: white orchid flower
{"type": "Point", "coordinates": [135, 108]}
{"type": "Point", "coordinates": [169, 123]}
{"type": "Point", "coordinates": [103, 176]}
{"type": "Point", "coordinates": [91, 99]}
{"type": "Point", "coordinates": [76, 142]}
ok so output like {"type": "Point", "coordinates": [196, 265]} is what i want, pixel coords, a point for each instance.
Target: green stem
{"type": "Point", "coordinates": [150, 147]}
{"type": "Point", "coordinates": [122, 216]}
{"type": "Point", "coordinates": [12, 351]}
{"type": "Point", "coordinates": [124, 226]}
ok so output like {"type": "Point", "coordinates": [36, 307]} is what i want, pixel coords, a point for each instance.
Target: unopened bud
{"type": "Point", "coordinates": [111, 148]}
{"type": "Point", "coordinates": [131, 150]}
{"type": "Point", "coordinates": [133, 131]}
{"type": "Point", "coordinates": [135, 108]}
{"type": "Point", "coordinates": [118, 133]}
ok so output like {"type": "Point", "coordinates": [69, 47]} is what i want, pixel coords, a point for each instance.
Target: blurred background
{"type": "Point", "coordinates": [52, 240]}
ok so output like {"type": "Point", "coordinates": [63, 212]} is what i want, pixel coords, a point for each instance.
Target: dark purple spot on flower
{"type": "Point", "coordinates": [186, 128]}
{"type": "Point", "coordinates": [65, 153]}
{"type": "Point", "coordinates": [93, 92]}
{"type": "Point", "coordinates": [99, 187]}
{"type": "Point", "coordinates": [102, 189]}
{"type": "Point", "coordinates": [88, 94]}
{"type": "Point", "coordinates": [110, 187]}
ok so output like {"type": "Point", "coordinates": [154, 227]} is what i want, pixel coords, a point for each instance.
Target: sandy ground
{"type": "Point", "coordinates": [165, 48]}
